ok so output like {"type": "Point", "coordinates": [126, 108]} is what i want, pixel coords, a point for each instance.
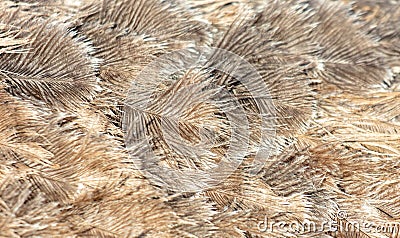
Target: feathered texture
{"type": "Point", "coordinates": [63, 10]}
{"type": "Point", "coordinates": [221, 14]}
{"type": "Point", "coordinates": [20, 155]}
{"type": "Point", "coordinates": [57, 67]}
{"type": "Point", "coordinates": [382, 18]}
{"type": "Point", "coordinates": [261, 41]}
{"type": "Point", "coordinates": [122, 60]}
{"type": "Point", "coordinates": [349, 58]}
{"type": "Point", "coordinates": [19, 127]}
{"type": "Point", "coordinates": [145, 29]}
{"type": "Point", "coordinates": [321, 106]}
{"type": "Point", "coordinates": [356, 157]}
{"type": "Point", "coordinates": [75, 177]}
{"type": "Point", "coordinates": [9, 40]}
{"type": "Point", "coordinates": [244, 212]}
{"type": "Point", "coordinates": [156, 18]}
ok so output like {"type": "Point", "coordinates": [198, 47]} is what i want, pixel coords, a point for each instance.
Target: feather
{"type": "Point", "coordinates": [144, 30]}
{"type": "Point", "coordinates": [280, 64]}
{"type": "Point", "coordinates": [316, 114]}
{"type": "Point", "coordinates": [221, 14]}
{"type": "Point", "coordinates": [381, 19]}
{"type": "Point", "coordinates": [10, 42]}
{"type": "Point", "coordinates": [48, 72]}
{"type": "Point", "coordinates": [18, 125]}
{"type": "Point", "coordinates": [155, 18]}
{"type": "Point", "coordinates": [122, 60]}
{"type": "Point", "coordinates": [349, 58]}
